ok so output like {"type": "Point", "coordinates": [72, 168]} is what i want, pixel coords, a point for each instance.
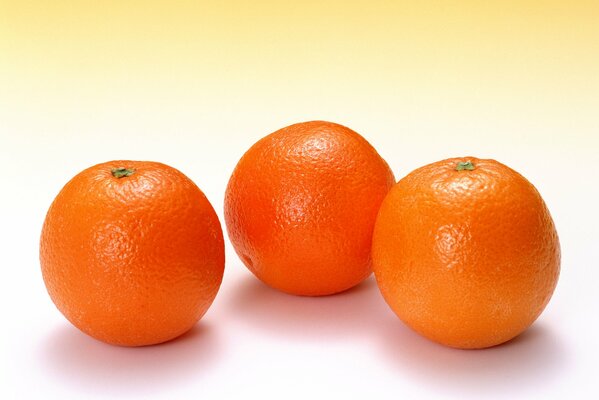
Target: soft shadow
{"type": "Point", "coordinates": [337, 317]}
{"type": "Point", "coordinates": [534, 358]}
{"type": "Point", "coordinates": [97, 367]}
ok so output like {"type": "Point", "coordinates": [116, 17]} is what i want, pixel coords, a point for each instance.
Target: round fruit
{"type": "Point", "coordinates": [465, 252]}
{"type": "Point", "coordinates": [301, 204]}
{"type": "Point", "coordinates": [132, 252]}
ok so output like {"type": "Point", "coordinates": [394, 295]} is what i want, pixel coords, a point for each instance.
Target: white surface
{"type": "Point", "coordinates": [257, 343]}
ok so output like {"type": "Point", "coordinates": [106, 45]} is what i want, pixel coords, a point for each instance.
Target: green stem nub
{"type": "Point", "coordinates": [122, 172]}
{"type": "Point", "coordinates": [467, 166]}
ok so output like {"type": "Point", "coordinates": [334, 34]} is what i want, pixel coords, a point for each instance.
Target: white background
{"type": "Point", "coordinates": [255, 342]}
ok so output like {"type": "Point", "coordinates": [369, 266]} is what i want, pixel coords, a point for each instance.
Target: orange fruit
{"type": "Point", "coordinates": [465, 252]}
{"type": "Point", "coordinates": [132, 252]}
{"type": "Point", "coordinates": [301, 204]}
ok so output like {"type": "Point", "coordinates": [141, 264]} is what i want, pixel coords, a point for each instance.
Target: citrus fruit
{"type": "Point", "coordinates": [301, 204]}
{"type": "Point", "coordinates": [465, 252]}
{"type": "Point", "coordinates": [132, 252]}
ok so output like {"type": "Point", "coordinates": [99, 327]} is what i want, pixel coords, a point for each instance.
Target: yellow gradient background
{"type": "Point", "coordinates": [473, 71]}
{"type": "Point", "coordinates": [193, 84]}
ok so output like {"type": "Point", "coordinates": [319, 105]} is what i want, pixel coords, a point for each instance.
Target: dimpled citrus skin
{"type": "Point", "coordinates": [301, 204]}
{"type": "Point", "coordinates": [135, 260]}
{"type": "Point", "coordinates": [467, 258]}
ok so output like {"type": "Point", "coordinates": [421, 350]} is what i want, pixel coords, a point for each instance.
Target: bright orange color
{"type": "Point", "coordinates": [132, 257]}
{"type": "Point", "coordinates": [301, 204]}
{"type": "Point", "coordinates": [468, 258]}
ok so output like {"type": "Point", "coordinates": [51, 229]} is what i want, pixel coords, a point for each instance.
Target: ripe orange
{"type": "Point", "coordinates": [301, 204]}
{"type": "Point", "coordinates": [465, 252]}
{"type": "Point", "coordinates": [132, 252]}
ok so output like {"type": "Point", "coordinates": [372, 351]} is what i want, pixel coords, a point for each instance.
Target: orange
{"type": "Point", "coordinates": [301, 204]}
{"type": "Point", "coordinates": [465, 252]}
{"type": "Point", "coordinates": [132, 252]}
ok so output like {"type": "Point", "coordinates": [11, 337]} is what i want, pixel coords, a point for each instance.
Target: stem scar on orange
{"type": "Point", "coordinates": [132, 252]}
{"type": "Point", "coordinates": [465, 252]}
{"type": "Point", "coordinates": [301, 204]}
